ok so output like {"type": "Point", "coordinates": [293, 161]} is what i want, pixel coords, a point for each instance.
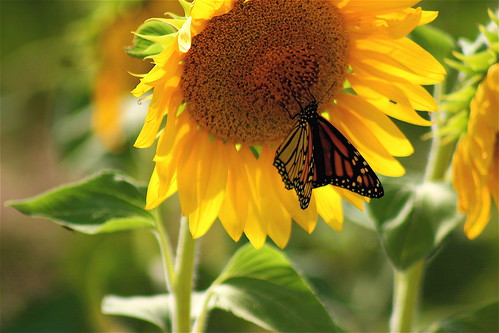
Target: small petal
{"type": "Point", "coordinates": [329, 206]}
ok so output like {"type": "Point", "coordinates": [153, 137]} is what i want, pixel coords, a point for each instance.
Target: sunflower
{"type": "Point", "coordinates": [475, 163]}
{"type": "Point", "coordinates": [233, 73]}
{"type": "Point", "coordinates": [111, 83]}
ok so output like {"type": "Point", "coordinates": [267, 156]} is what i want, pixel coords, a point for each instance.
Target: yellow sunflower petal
{"type": "Point", "coordinates": [355, 199]}
{"type": "Point", "coordinates": [253, 229]}
{"type": "Point", "coordinates": [159, 190]}
{"type": "Point", "coordinates": [382, 95]}
{"type": "Point", "coordinates": [234, 210]}
{"type": "Point", "coordinates": [307, 219]}
{"type": "Point", "coordinates": [203, 10]}
{"type": "Point", "coordinates": [462, 179]}
{"type": "Point", "coordinates": [419, 97]}
{"type": "Point", "coordinates": [256, 225]}
{"type": "Point", "coordinates": [189, 170]}
{"type": "Point", "coordinates": [211, 185]}
{"type": "Point", "coordinates": [329, 206]}
{"type": "Point", "coordinates": [350, 125]}
{"type": "Point", "coordinates": [479, 216]}
{"type": "Point", "coordinates": [170, 100]}
{"type": "Point", "coordinates": [395, 60]}
{"type": "Point", "coordinates": [279, 220]}
{"type": "Point", "coordinates": [279, 225]}
{"type": "Point", "coordinates": [428, 16]}
{"type": "Point", "coordinates": [400, 24]}
{"type": "Point", "coordinates": [377, 6]}
{"type": "Point", "coordinates": [150, 129]}
{"type": "Point", "coordinates": [381, 126]}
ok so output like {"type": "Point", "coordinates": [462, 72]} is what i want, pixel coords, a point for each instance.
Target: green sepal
{"type": "Point", "coordinates": [152, 37]}
{"type": "Point", "coordinates": [262, 287]}
{"type": "Point", "coordinates": [412, 219]}
{"type": "Point", "coordinates": [256, 150]}
{"type": "Point", "coordinates": [478, 62]}
{"type": "Point", "coordinates": [186, 6]}
{"type": "Point", "coordinates": [483, 320]}
{"type": "Point", "coordinates": [106, 202]}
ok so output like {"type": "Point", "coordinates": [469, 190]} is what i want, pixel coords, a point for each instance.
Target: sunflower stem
{"type": "Point", "coordinates": [405, 297]}
{"type": "Point", "coordinates": [184, 273]}
{"type": "Point", "coordinates": [407, 283]}
{"type": "Point", "coordinates": [440, 151]}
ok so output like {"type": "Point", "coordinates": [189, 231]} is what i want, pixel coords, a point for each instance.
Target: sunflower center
{"type": "Point", "coordinates": [252, 68]}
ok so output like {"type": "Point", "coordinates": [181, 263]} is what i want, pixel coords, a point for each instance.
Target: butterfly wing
{"type": "Point", "coordinates": [294, 162]}
{"type": "Point", "coordinates": [339, 163]}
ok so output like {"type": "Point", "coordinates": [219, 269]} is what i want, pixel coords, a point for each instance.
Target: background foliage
{"type": "Point", "coordinates": [53, 280]}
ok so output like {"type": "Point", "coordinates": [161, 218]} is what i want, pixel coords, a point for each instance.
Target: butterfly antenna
{"type": "Point", "coordinates": [286, 109]}
{"type": "Point", "coordinates": [311, 97]}
{"type": "Point", "coordinates": [297, 101]}
{"type": "Point", "coordinates": [327, 92]}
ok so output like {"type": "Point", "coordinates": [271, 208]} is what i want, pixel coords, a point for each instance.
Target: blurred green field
{"type": "Point", "coordinates": [53, 280]}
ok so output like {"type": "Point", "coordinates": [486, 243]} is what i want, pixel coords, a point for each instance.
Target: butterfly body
{"type": "Point", "coordinates": [316, 154]}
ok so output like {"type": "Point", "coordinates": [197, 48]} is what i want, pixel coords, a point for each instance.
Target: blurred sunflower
{"type": "Point", "coordinates": [474, 121]}
{"type": "Point", "coordinates": [111, 83]}
{"type": "Point", "coordinates": [476, 161]}
{"type": "Point", "coordinates": [226, 76]}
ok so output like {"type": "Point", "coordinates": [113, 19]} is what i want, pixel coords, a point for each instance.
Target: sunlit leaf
{"type": "Point", "coordinates": [155, 309]}
{"type": "Point", "coordinates": [106, 202]}
{"type": "Point", "coordinates": [262, 287]}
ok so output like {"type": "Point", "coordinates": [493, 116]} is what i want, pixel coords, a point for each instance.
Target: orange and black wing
{"type": "Point", "coordinates": [338, 162]}
{"type": "Point", "coordinates": [294, 162]}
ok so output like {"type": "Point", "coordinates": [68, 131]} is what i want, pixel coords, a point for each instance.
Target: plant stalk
{"type": "Point", "coordinates": [184, 273]}
{"type": "Point", "coordinates": [407, 283]}
{"type": "Point", "coordinates": [405, 297]}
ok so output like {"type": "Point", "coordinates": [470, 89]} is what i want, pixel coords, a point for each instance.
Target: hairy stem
{"type": "Point", "coordinates": [405, 297]}
{"type": "Point", "coordinates": [184, 273]}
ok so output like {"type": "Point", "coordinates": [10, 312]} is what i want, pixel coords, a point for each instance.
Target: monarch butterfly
{"type": "Point", "coordinates": [316, 154]}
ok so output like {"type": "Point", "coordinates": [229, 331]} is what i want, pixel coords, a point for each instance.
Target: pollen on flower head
{"type": "Point", "coordinates": [262, 61]}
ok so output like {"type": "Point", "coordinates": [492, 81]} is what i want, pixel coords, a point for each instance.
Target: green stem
{"type": "Point", "coordinates": [407, 283]}
{"type": "Point", "coordinates": [440, 156]}
{"type": "Point", "coordinates": [184, 272]}
{"type": "Point", "coordinates": [166, 252]}
{"type": "Point", "coordinates": [440, 151]}
{"type": "Point", "coordinates": [405, 297]}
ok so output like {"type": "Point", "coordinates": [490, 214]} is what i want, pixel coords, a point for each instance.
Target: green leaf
{"type": "Point", "coordinates": [151, 38]}
{"type": "Point", "coordinates": [483, 320]}
{"type": "Point", "coordinates": [412, 219]}
{"type": "Point", "coordinates": [262, 287]}
{"type": "Point", "coordinates": [106, 202]}
{"type": "Point", "coordinates": [155, 309]}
